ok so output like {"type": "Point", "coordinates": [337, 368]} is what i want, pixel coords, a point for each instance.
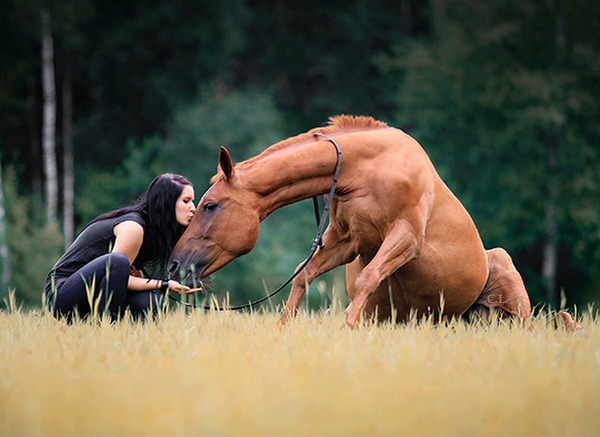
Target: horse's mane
{"type": "Point", "coordinates": [337, 125]}
{"type": "Point", "coordinates": [349, 123]}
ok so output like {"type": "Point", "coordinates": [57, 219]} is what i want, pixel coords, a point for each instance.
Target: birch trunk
{"type": "Point", "coordinates": [5, 268]}
{"type": "Point", "coordinates": [550, 251]}
{"type": "Point", "coordinates": [49, 119]}
{"type": "Point", "coordinates": [37, 184]}
{"type": "Point", "coordinates": [405, 9]}
{"type": "Point", "coordinates": [68, 174]}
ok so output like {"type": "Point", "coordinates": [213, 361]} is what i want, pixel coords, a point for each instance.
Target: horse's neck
{"type": "Point", "coordinates": [289, 176]}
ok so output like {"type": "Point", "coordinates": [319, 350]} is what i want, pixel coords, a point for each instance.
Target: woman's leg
{"type": "Point", "coordinates": [109, 274]}
{"type": "Point", "coordinates": [141, 303]}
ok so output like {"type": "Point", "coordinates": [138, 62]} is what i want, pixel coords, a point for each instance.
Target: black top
{"type": "Point", "coordinates": [96, 240]}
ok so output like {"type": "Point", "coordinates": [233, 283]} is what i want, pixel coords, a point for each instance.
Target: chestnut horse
{"type": "Point", "coordinates": [407, 241]}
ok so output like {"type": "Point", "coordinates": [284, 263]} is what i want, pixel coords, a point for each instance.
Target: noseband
{"type": "Point", "coordinates": [317, 243]}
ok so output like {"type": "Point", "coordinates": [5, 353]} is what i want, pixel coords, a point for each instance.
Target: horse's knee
{"type": "Point", "coordinates": [365, 284]}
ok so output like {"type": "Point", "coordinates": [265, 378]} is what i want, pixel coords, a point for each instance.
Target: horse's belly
{"type": "Point", "coordinates": [420, 285]}
{"type": "Point", "coordinates": [457, 280]}
{"type": "Point", "coordinates": [452, 265]}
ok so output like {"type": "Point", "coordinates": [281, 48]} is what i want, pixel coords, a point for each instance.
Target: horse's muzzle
{"type": "Point", "coordinates": [186, 271]}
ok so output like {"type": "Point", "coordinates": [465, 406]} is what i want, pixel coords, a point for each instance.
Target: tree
{"type": "Point", "coordinates": [68, 159]}
{"type": "Point", "coordinates": [5, 267]}
{"type": "Point", "coordinates": [553, 143]}
{"type": "Point", "coordinates": [49, 120]}
{"type": "Point", "coordinates": [34, 247]}
{"type": "Point", "coordinates": [501, 100]}
{"type": "Point", "coordinates": [502, 95]}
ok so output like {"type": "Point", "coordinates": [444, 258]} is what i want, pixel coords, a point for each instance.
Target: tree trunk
{"type": "Point", "coordinates": [5, 268]}
{"type": "Point", "coordinates": [550, 251]}
{"type": "Point", "coordinates": [405, 9]}
{"type": "Point", "coordinates": [37, 184]}
{"type": "Point", "coordinates": [68, 174]}
{"type": "Point", "coordinates": [49, 118]}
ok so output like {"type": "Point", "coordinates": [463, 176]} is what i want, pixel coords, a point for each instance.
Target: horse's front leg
{"type": "Point", "coordinates": [400, 246]}
{"type": "Point", "coordinates": [337, 250]}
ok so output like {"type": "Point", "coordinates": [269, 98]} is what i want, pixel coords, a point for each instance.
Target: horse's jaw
{"type": "Point", "coordinates": [218, 264]}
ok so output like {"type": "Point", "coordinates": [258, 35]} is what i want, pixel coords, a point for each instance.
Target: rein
{"type": "Point", "coordinates": [317, 243]}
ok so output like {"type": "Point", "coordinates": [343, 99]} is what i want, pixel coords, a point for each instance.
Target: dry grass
{"type": "Point", "coordinates": [222, 374]}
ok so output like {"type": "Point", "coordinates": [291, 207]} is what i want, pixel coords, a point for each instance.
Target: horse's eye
{"type": "Point", "coordinates": [209, 207]}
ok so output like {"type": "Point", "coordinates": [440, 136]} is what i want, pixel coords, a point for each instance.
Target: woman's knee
{"type": "Point", "coordinates": [118, 261]}
{"type": "Point", "coordinates": [118, 270]}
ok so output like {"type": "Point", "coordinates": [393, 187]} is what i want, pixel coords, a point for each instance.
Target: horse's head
{"type": "Point", "coordinates": [225, 225]}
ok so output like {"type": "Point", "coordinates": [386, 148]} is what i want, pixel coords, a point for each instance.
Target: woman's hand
{"type": "Point", "coordinates": [181, 289]}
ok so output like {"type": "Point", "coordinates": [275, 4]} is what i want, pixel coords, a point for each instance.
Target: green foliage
{"type": "Point", "coordinates": [246, 123]}
{"type": "Point", "coordinates": [105, 190]}
{"type": "Point", "coordinates": [503, 96]}
{"type": "Point", "coordinates": [34, 247]}
{"type": "Point", "coordinates": [509, 122]}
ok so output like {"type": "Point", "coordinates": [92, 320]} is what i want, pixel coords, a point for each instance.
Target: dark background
{"type": "Point", "coordinates": [503, 95]}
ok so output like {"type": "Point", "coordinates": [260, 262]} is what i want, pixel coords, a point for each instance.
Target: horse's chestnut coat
{"type": "Point", "coordinates": [407, 241]}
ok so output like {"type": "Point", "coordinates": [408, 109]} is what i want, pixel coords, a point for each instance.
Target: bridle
{"type": "Point", "coordinates": [317, 243]}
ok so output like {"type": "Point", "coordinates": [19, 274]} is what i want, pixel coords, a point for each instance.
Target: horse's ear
{"type": "Point", "coordinates": [225, 162]}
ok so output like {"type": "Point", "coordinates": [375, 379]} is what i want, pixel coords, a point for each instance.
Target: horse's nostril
{"type": "Point", "coordinates": [173, 268]}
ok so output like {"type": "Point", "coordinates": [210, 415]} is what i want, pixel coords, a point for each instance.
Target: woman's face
{"type": "Point", "coordinates": [184, 207]}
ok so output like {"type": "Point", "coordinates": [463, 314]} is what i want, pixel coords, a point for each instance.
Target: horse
{"type": "Point", "coordinates": [408, 244]}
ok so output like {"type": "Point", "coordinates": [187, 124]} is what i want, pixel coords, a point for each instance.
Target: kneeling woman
{"type": "Point", "coordinates": [109, 254]}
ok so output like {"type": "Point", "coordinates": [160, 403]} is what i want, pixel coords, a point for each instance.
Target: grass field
{"type": "Point", "coordinates": [232, 374]}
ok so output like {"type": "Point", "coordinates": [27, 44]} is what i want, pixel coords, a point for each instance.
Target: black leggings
{"type": "Point", "coordinates": [108, 275]}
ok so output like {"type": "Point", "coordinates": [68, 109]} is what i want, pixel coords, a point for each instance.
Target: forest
{"type": "Point", "coordinates": [98, 97]}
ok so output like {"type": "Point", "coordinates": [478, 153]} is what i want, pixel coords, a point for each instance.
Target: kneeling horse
{"type": "Point", "coordinates": [406, 240]}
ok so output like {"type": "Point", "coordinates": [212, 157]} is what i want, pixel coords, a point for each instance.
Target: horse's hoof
{"type": "Point", "coordinates": [565, 320]}
{"type": "Point", "coordinates": [351, 321]}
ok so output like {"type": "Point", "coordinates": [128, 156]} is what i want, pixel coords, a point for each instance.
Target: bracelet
{"type": "Point", "coordinates": [164, 286]}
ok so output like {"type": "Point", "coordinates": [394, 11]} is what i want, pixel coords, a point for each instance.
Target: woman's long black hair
{"type": "Point", "coordinates": [157, 207]}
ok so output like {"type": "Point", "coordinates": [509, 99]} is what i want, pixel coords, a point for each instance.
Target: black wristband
{"type": "Point", "coordinates": [164, 286]}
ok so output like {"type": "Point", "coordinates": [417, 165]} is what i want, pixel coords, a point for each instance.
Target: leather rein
{"type": "Point", "coordinates": [317, 243]}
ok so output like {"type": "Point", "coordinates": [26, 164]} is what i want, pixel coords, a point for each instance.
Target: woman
{"type": "Point", "coordinates": [109, 254]}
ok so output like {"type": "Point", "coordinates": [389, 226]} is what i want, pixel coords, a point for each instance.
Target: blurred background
{"type": "Point", "coordinates": [97, 97]}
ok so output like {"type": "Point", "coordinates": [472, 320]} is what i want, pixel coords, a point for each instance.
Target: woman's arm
{"type": "Point", "coordinates": [130, 236]}
{"type": "Point", "coordinates": [137, 283]}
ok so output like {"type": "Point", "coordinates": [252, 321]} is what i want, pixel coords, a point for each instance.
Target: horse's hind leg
{"type": "Point", "coordinates": [565, 320]}
{"type": "Point", "coordinates": [504, 290]}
